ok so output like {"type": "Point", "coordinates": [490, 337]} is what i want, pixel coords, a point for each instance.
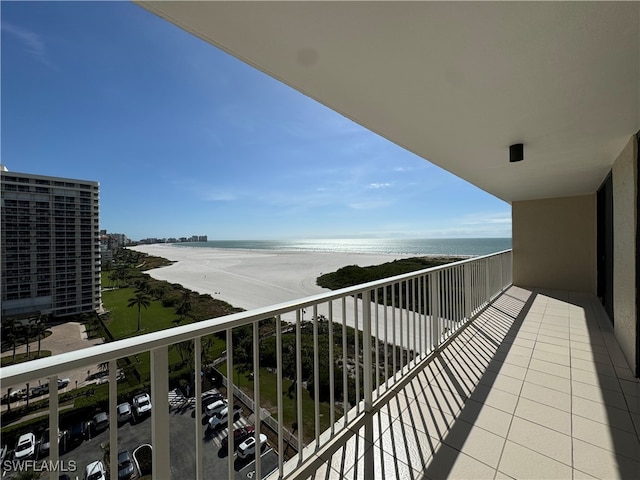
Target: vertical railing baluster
{"type": "Point", "coordinates": [386, 338]}
{"type": "Point", "coordinates": [54, 450]}
{"type": "Point", "coordinates": [401, 307]}
{"type": "Point", "coordinates": [280, 396]}
{"type": "Point", "coordinates": [160, 434]}
{"type": "Point", "coordinates": [367, 381]}
{"type": "Point", "coordinates": [357, 350]}
{"type": "Point", "coordinates": [316, 376]}
{"type": "Point", "coordinates": [197, 389]}
{"type": "Point", "coordinates": [435, 292]}
{"type": "Point", "coordinates": [332, 388]}
{"type": "Point", "coordinates": [230, 388]}
{"type": "Point", "coordinates": [393, 329]}
{"type": "Point", "coordinates": [366, 351]}
{"type": "Point", "coordinates": [113, 421]}
{"type": "Point", "coordinates": [345, 378]}
{"type": "Point", "coordinates": [256, 399]}
{"type": "Point", "coordinates": [376, 337]}
{"type": "Point", "coordinates": [299, 383]}
{"type": "Point", "coordinates": [421, 310]}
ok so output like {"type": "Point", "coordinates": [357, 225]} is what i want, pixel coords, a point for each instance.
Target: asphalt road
{"type": "Point", "coordinates": [182, 428]}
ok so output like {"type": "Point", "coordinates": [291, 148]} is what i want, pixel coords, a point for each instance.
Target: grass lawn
{"type": "Point", "coordinates": [123, 323]}
{"type": "Point", "coordinates": [22, 357]}
{"type": "Point", "coordinates": [269, 395]}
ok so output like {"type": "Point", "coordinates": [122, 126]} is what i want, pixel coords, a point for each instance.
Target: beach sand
{"type": "Point", "coordinates": [253, 278]}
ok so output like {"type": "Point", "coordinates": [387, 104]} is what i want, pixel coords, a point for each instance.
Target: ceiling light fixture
{"type": "Point", "coordinates": [516, 152]}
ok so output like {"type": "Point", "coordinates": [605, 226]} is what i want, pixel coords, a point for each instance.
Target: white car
{"type": "Point", "coordinates": [220, 419]}
{"type": "Point", "coordinates": [26, 447]}
{"type": "Point", "coordinates": [248, 447]}
{"type": "Point", "coordinates": [215, 407]}
{"type": "Point", "coordinates": [63, 382]}
{"type": "Point", "coordinates": [95, 471]}
{"type": "Point", "coordinates": [142, 404]}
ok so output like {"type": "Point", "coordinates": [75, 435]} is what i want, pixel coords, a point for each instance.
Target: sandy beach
{"type": "Point", "coordinates": [252, 278]}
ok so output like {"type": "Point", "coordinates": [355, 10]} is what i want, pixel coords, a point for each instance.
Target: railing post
{"type": "Point", "coordinates": [230, 388]}
{"type": "Point", "coordinates": [368, 395]}
{"type": "Point", "coordinates": [280, 396]}
{"type": "Point", "coordinates": [160, 435]}
{"type": "Point", "coordinates": [113, 420]}
{"type": "Point", "coordinates": [366, 351]}
{"type": "Point", "coordinates": [467, 290]}
{"type": "Point", "coordinates": [487, 267]}
{"type": "Point", "coordinates": [53, 424]}
{"type": "Point", "coordinates": [197, 389]}
{"type": "Point", "coordinates": [434, 286]}
{"type": "Point", "coordinates": [257, 411]}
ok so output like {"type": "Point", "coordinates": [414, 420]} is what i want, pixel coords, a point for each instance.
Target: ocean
{"type": "Point", "coordinates": [422, 246]}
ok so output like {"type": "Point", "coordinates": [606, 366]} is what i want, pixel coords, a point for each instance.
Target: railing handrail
{"type": "Point", "coordinates": [44, 367]}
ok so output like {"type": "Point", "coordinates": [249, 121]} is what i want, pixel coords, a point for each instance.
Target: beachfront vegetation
{"type": "Point", "coordinates": [355, 275]}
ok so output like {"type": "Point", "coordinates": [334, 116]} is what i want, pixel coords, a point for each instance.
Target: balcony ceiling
{"type": "Point", "coordinates": [455, 83]}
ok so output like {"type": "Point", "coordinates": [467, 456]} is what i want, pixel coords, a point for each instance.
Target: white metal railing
{"type": "Point", "coordinates": [402, 321]}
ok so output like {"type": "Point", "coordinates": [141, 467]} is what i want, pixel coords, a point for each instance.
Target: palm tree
{"type": "Point", "coordinates": [113, 277]}
{"type": "Point", "coordinates": [25, 334]}
{"type": "Point", "coordinates": [39, 328]}
{"type": "Point", "coordinates": [185, 305]}
{"type": "Point", "coordinates": [140, 300]}
{"type": "Point", "coordinates": [11, 325]}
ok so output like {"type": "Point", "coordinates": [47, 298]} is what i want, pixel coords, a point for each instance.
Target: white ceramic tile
{"type": "Point", "coordinates": [541, 439]}
{"type": "Point", "coordinates": [603, 463]}
{"type": "Point", "coordinates": [608, 397]}
{"type": "Point", "coordinates": [599, 412]}
{"type": "Point", "coordinates": [547, 396]}
{"type": "Point", "coordinates": [593, 378]}
{"type": "Point", "coordinates": [544, 415]}
{"type": "Point", "coordinates": [451, 463]}
{"type": "Point", "coordinates": [520, 462]}
{"type": "Point", "coordinates": [550, 381]}
{"type": "Point", "coordinates": [617, 441]}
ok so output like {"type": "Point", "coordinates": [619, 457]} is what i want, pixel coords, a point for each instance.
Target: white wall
{"type": "Point", "coordinates": [554, 243]}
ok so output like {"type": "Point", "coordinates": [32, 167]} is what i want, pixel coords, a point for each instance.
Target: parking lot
{"type": "Point", "coordinates": [137, 432]}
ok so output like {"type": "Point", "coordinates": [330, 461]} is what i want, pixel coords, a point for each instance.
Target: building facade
{"type": "Point", "coordinates": [50, 245]}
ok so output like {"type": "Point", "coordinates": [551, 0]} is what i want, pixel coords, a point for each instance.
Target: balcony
{"type": "Point", "coordinates": [463, 376]}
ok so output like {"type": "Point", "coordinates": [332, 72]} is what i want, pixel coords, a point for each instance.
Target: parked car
{"type": "Point", "coordinates": [26, 447]}
{"type": "Point", "coordinates": [126, 468]}
{"type": "Point", "coordinates": [40, 390]}
{"type": "Point", "coordinates": [215, 407]}
{"type": "Point", "coordinates": [75, 435]}
{"type": "Point", "coordinates": [100, 422]}
{"type": "Point", "coordinates": [124, 412]}
{"type": "Point", "coordinates": [63, 382]}
{"type": "Point", "coordinates": [221, 418]}
{"type": "Point", "coordinates": [141, 404]}
{"type": "Point", "coordinates": [95, 471]}
{"type": "Point", "coordinates": [239, 436]}
{"type": "Point", "coordinates": [45, 442]}
{"type": "Point", "coordinates": [248, 447]}
{"type": "Point", "coordinates": [209, 398]}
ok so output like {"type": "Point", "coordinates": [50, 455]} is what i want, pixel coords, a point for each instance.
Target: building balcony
{"type": "Point", "coordinates": [456, 373]}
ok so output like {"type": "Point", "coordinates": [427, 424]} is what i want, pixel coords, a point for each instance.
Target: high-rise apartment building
{"type": "Point", "coordinates": [50, 245]}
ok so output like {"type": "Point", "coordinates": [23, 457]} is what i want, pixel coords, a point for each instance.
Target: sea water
{"type": "Point", "coordinates": [421, 246]}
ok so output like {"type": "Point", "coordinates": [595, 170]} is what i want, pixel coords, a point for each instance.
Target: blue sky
{"type": "Point", "coordinates": [186, 140]}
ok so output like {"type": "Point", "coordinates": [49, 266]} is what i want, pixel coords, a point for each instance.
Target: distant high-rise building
{"type": "Point", "coordinates": [50, 245]}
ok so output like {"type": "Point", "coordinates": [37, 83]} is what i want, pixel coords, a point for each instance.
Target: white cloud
{"type": "Point", "coordinates": [379, 185]}
{"type": "Point", "coordinates": [32, 42]}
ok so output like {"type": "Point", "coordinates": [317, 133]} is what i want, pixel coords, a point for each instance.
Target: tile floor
{"type": "Point", "coordinates": [535, 387]}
